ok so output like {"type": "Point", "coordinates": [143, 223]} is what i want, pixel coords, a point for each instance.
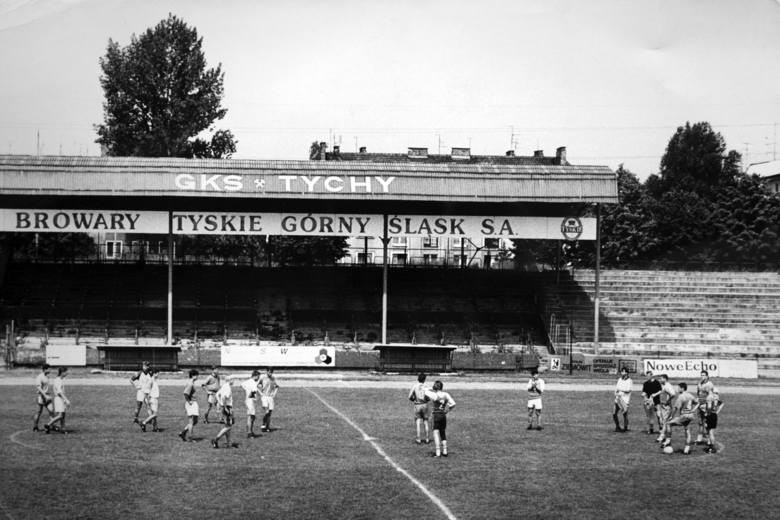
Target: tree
{"type": "Point", "coordinates": [695, 159]}
{"type": "Point", "coordinates": [291, 250]}
{"type": "Point", "coordinates": [160, 97]}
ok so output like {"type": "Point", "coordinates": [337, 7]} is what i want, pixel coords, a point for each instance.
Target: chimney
{"type": "Point", "coordinates": [336, 150]}
{"type": "Point", "coordinates": [560, 155]}
{"type": "Point", "coordinates": [323, 151]}
{"type": "Point", "coordinates": [510, 153]}
{"type": "Point", "coordinates": [461, 154]}
{"type": "Point", "coordinates": [418, 153]}
{"type": "Point", "coordinates": [362, 149]}
{"type": "Point", "coordinates": [538, 153]}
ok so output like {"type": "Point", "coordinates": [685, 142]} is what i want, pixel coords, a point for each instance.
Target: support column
{"type": "Point", "coordinates": [385, 242]}
{"type": "Point", "coordinates": [169, 340]}
{"type": "Point", "coordinates": [597, 279]}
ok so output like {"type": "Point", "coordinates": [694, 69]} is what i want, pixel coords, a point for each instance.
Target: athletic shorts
{"type": "Point", "coordinates": [267, 402]}
{"type": "Point", "coordinates": [702, 413]}
{"type": "Point", "coordinates": [211, 398]}
{"type": "Point", "coordinates": [154, 404]}
{"type": "Point", "coordinates": [140, 396]}
{"type": "Point", "coordinates": [439, 421]}
{"type": "Point", "coordinates": [711, 421]}
{"type": "Point", "coordinates": [664, 411]}
{"type": "Point", "coordinates": [535, 403]}
{"type": "Point", "coordinates": [42, 402]}
{"type": "Point", "coordinates": [681, 420]}
{"type": "Point", "coordinates": [250, 406]}
{"type": "Point", "coordinates": [59, 405]}
{"type": "Point", "coordinates": [622, 400]}
{"type": "Point", "coordinates": [191, 408]}
{"type": "Point", "coordinates": [421, 411]}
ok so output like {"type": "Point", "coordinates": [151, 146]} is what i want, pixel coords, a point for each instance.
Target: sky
{"type": "Point", "coordinates": [610, 80]}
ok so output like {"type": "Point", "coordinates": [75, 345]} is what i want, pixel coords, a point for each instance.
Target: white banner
{"type": "Point", "coordinates": [66, 355]}
{"type": "Point", "coordinates": [691, 367]}
{"type": "Point", "coordinates": [302, 224]}
{"type": "Point", "coordinates": [277, 356]}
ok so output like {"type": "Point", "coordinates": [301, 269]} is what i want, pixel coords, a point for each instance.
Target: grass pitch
{"type": "Point", "coordinates": [316, 465]}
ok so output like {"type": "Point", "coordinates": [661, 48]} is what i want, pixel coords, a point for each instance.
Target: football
{"type": "Point", "coordinates": [668, 450]}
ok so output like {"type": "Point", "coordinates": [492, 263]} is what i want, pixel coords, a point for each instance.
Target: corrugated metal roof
{"type": "Point", "coordinates": [335, 180]}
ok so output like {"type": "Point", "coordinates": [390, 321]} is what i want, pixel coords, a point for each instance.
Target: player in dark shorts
{"type": "Point", "coordinates": [651, 396]}
{"type": "Point", "coordinates": [713, 406]}
{"type": "Point", "coordinates": [442, 404]}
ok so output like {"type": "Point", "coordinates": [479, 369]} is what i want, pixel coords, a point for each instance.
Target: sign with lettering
{"type": "Point", "coordinates": [277, 356]}
{"type": "Point", "coordinates": [691, 367]}
{"type": "Point", "coordinates": [316, 224]}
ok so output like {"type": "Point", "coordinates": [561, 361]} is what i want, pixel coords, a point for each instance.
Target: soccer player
{"type": "Point", "coordinates": [190, 406]}
{"type": "Point", "coordinates": [251, 389]}
{"type": "Point", "coordinates": [442, 404]}
{"type": "Point", "coordinates": [713, 407]}
{"type": "Point", "coordinates": [651, 390]}
{"type": "Point", "coordinates": [682, 415]}
{"type": "Point", "coordinates": [421, 410]}
{"type": "Point", "coordinates": [61, 402]}
{"type": "Point", "coordinates": [268, 389]}
{"type": "Point", "coordinates": [142, 381]}
{"type": "Point", "coordinates": [42, 397]}
{"type": "Point", "coordinates": [622, 398]}
{"type": "Point", "coordinates": [665, 400]}
{"type": "Point", "coordinates": [211, 385]}
{"type": "Point", "coordinates": [225, 400]}
{"type": "Point", "coordinates": [152, 402]}
{"type": "Point", "coordinates": [535, 388]}
{"type": "Point", "coordinates": [703, 389]}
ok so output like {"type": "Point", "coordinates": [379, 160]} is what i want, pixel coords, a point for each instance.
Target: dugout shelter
{"type": "Point", "coordinates": [358, 198]}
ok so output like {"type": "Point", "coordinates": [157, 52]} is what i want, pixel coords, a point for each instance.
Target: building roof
{"type": "Point", "coordinates": [454, 181]}
{"type": "Point", "coordinates": [764, 169]}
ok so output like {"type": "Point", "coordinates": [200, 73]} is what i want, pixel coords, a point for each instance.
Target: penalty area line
{"type": "Point", "coordinates": [13, 439]}
{"type": "Point", "coordinates": [436, 500]}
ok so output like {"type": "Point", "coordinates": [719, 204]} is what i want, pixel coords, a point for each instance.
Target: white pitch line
{"type": "Point", "coordinates": [20, 443]}
{"type": "Point", "coordinates": [381, 452]}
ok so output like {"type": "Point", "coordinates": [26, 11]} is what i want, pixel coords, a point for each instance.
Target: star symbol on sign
{"type": "Point", "coordinates": [259, 184]}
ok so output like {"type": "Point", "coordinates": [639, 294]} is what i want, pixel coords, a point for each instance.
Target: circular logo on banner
{"type": "Point", "coordinates": [571, 227]}
{"type": "Point", "coordinates": [323, 357]}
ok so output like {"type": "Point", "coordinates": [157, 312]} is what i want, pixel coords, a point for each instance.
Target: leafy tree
{"type": "Point", "coordinates": [695, 158]}
{"type": "Point", "coordinates": [160, 97]}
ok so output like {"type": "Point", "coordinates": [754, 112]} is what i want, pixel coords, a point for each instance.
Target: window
{"type": "Point", "coordinates": [430, 241]}
{"type": "Point", "coordinates": [365, 258]}
{"type": "Point", "coordinates": [459, 260]}
{"type": "Point", "coordinates": [398, 241]}
{"type": "Point", "coordinates": [491, 243]}
{"type": "Point", "coordinates": [430, 259]}
{"type": "Point", "coordinates": [457, 242]}
{"type": "Point", "coordinates": [399, 258]}
{"type": "Point", "coordinates": [487, 261]}
{"type": "Point", "coordinates": [113, 249]}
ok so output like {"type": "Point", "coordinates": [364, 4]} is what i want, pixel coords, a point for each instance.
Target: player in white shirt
{"type": "Point", "coordinates": [42, 395]}
{"type": "Point", "coordinates": [268, 389]}
{"type": "Point", "coordinates": [421, 409]}
{"type": "Point", "coordinates": [251, 390]}
{"type": "Point", "coordinates": [442, 404]}
{"type": "Point", "coordinates": [190, 406]}
{"type": "Point", "coordinates": [622, 399]}
{"type": "Point", "coordinates": [152, 402]}
{"type": "Point", "coordinates": [61, 402]}
{"type": "Point", "coordinates": [225, 400]}
{"type": "Point", "coordinates": [666, 396]}
{"type": "Point", "coordinates": [535, 388]}
{"type": "Point", "coordinates": [142, 381]}
{"type": "Point", "coordinates": [212, 385]}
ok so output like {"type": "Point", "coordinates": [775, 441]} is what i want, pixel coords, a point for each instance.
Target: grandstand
{"type": "Point", "coordinates": [671, 313]}
{"type": "Point", "coordinates": [125, 303]}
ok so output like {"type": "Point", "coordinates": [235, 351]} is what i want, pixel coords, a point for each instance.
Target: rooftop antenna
{"type": "Point", "coordinates": [513, 139]}
{"type": "Point", "coordinates": [438, 136]}
{"type": "Point", "coordinates": [357, 149]}
{"type": "Point", "coordinates": [38, 144]}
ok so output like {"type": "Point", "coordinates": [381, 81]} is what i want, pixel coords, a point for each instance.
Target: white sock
{"type": "Point", "coordinates": [444, 446]}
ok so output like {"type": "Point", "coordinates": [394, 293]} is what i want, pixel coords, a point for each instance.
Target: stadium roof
{"type": "Point", "coordinates": [304, 180]}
